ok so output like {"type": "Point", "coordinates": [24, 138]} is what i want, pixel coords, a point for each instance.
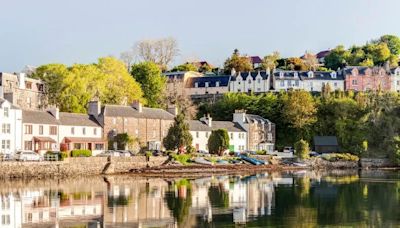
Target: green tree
{"type": "Point", "coordinates": [393, 43]}
{"type": "Point", "coordinates": [367, 62]}
{"type": "Point", "coordinates": [149, 75]}
{"type": "Point", "coordinates": [299, 110]}
{"type": "Point", "coordinates": [302, 149]}
{"type": "Point", "coordinates": [237, 62]}
{"type": "Point", "coordinates": [379, 53]}
{"type": "Point", "coordinates": [296, 63]}
{"type": "Point", "coordinates": [337, 58]}
{"type": "Point", "coordinates": [184, 67]}
{"type": "Point", "coordinates": [178, 136]}
{"type": "Point", "coordinates": [218, 141]}
{"type": "Point", "coordinates": [271, 61]}
{"type": "Point", "coordinates": [123, 141]}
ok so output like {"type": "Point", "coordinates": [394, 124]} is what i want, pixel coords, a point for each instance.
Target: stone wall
{"type": "Point", "coordinates": [376, 162]}
{"type": "Point", "coordinates": [77, 167]}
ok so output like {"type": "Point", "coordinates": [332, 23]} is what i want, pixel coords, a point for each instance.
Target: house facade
{"type": "Point", "coordinates": [148, 126]}
{"type": "Point", "coordinates": [395, 76]}
{"type": "Point", "coordinates": [314, 81]}
{"type": "Point", "coordinates": [286, 80]}
{"type": "Point", "coordinates": [176, 82]}
{"type": "Point", "coordinates": [11, 125]}
{"type": "Point", "coordinates": [359, 78]}
{"type": "Point", "coordinates": [201, 131]}
{"type": "Point", "coordinates": [26, 93]}
{"type": "Point", "coordinates": [257, 82]}
{"type": "Point", "coordinates": [214, 84]}
{"type": "Point", "coordinates": [52, 130]}
{"type": "Point", "coordinates": [260, 131]}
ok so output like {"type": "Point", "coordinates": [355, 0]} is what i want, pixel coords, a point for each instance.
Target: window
{"type": "Point", "coordinates": [335, 84]}
{"type": "Point", "coordinates": [84, 131]}
{"type": "Point", "coordinates": [206, 84]}
{"type": "Point", "coordinates": [249, 81]}
{"type": "Point", "coordinates": [99, 146]}
{"type": "Point", "coordinates": [196, 85]}
{"type": "Point", "coordinates": [354, 82]}
{"type": "Point", "coordinates": [5, 219]}
{"type": "Point", "coordinates": [282, 83]}
{"type": "Point", "coordinates": [206, 134]}
{"type": "Point", "coordinates": [40, 129]}
{"type": "Point", "coordinates": [289, 83]}
{"type": "Point", "coordinates": [6, 128]}
{"type": "Point", "coordinates": [114, 120]}
{"type": "Point", "coordinates": [217, 84]}
{"type": "Point", "coordinates": [398, 82]}
{"type": "Point", "coordinates": [6, 111]}
{"type": "Point", "coordinates": [6, 204]}
{"type": "Point", "coordinates": [72, 131]}
{"type": "Point", "coordinates": [53, 130]}
{"type": "Point", "coordinates": [296, 82]}
{"type": "Point", "coordinates": [28, 129]}
{"type": "Point", "coordinates": [258, 80]}
{"type": "Point", "coordinates": [197, 134]}
{"type": "Point", "coordinates": [28, 145]}
{"type": "Point", "coordinates": [28, 85]}
{"type": "Point", "coordinates": [5, 144]}
{"type": "Point", "coordinates": [231, 135]}
{"type": "Point", "coordinates": [94, 131]}
{"type": "Point", "coordinates": [269, 136]}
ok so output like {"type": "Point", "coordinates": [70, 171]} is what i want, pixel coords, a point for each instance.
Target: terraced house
{"type": "Point", "coordinates": [358, 78]}
{"type": "Point", "coordinates": [146, 125]}
{"type": "Point", "coordinates": [256, 81]}
{"type": "Point", "coordinates": [10, 124]}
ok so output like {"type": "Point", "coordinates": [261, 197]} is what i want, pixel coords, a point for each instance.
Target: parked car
{"type": "Point", "coordinates": [115, 153]}
{"type": "Point", "coordinates": [28, 156]}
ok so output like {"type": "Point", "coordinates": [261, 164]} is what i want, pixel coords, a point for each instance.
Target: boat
{"type": "Point", "coordinates": [252, 161]}
{"type": "Point", "coordinates": [299, 164]}
{"type": "Point", "coordinates": [222, 162]}
{"type": "Point", "coordinates": [202, 161]}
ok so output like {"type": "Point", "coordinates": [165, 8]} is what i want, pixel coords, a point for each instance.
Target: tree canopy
{"type": "Point", "coordinates": [71, 88]}
{"type": "Point", "coordinates": [237, 62]}
{"type": "Point", "coordinates": [152, 82]}
{"type": "Point", "coordinates": [178, 136]}
{"type": "Point", "coordinates": [218, 141]}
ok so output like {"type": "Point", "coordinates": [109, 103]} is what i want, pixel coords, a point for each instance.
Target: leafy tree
{"type": "Point", "coordinates": [378, 52]}
{"type": "Point", "coordinates": [178, 136]}
{"type": "Point", "coordinates": [205, 68]}
{"type": "Point", "coordinates": [218, 141]}
{"type": "Point", "coordinates": [149, 75]}
{"type": "Point", "coordinates": [237, 62]}
{"type": "Point", "coordinates": [393, 43]}
{"type": "Point", "coordinates": [296, 63]}
{"type": "Point", "coordinates": [123, 141]}
{"type": "Point", "coordinates": [271, 61]}
{"type": "Point", "coordinates": [184, 67]}
{"type": "Point", "coordinates": [302, 149]}
{"type": "Point", "coordinates": [367, 62]}
{"type": "Point", "coordinates": [337, 58]}
{"type": "Point", "coordinates": [310, 61]}
{"type": "Point", "coordinates": [299, 110]}
{"type": "Point", "coordinates": [70, 88]}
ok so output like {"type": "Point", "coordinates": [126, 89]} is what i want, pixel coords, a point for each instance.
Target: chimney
{"type": "Point", "coordinates": [21, 80]}
{"type": "Point", "coordinates": [239, 116]}
{"type": "Point", "coordinates": [233, 72]}
{"type": "Point", "coordinates": [137, 105]}
{"type": "Point", "coordinates": [172, 109]}
{"type": "Point", "coordinates": [54, 111]}
{"type": "Point", "coordinates": [94, 108]}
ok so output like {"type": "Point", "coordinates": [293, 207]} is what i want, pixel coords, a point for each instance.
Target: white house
{"type": "Point", "coordinates": [201, 131]}
{"type": "Point", "coordinates": [285, 80]}
{"type": "Point", "coordinates": [11, 125]}
{"type": "Point", "coordinates": [314, 81]}
{"type": "Point", "coordinates": [54, 131]}
{"type": "Point", "coordinates": [257, 82]}
{"type": "Point", "coordinates": [395, 73]}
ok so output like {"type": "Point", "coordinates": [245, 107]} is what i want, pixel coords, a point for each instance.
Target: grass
{"type": "Point", "coordinates": [339, 157]}
{"type": "Point", "coordinates": [184, 159]}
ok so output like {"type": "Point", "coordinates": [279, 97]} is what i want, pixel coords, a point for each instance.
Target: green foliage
{"type": "Point", "coordinates": [71, 88]}
{"type": "Point", "coordinates": [148, 154]}
{"type": "Point", "coordinates": [302, 149]}
{"type": "Point", "coordinates": [123, 140]}
{"type": "Point", "coordinates": [81, 153]}
{"type": "Point", "coordinates": [184, 67]}
{"type": "Point", "coordinates": [339, 157]}
{"type": "Point", "coordinates": [178, 136]}
{"type": "Point", "coordinates": [271, 61]}
{"type": "Point", "coordinates": [337, 58]}
{"type": "Point", "coordinates": [148, 74]}
{"type": "Point", "coordinates": [261, 152]}
{"type": "Point", "coordinates": [237, 62]}
{"type": "Point", "coordinates": [396, 142]}
{"type": "Point", "coordinates": [184, 159]}
{"type": "Point", "coordinates": [218, 141]}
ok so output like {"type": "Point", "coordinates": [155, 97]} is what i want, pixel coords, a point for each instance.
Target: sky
{"type": "Point", "coordinates": [80, 31]}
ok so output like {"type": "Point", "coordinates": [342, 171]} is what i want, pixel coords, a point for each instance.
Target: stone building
{"type": "Point", "coordinates": [148, 126]}
{"type": "Point", "coordinates": [358, 78]}
{"type": "Point", "coordinates": [260, 131]}
{"type": "Point", "coordinates": [26, 93]}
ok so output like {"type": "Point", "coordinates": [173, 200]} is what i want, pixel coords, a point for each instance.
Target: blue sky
{"type": "Point", "coordinates": [80, 31]}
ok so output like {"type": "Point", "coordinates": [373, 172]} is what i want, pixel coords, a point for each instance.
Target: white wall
{"type": "Point", "coordinates": [14, 120]}
{"type": "Point", "coordinates": [35, 133]}
{"type": "Point", "coordinates": [65, 131]}
{"type": "Point", "coordinates": [396, 80]}
{"type": "Point", "coordinates": [284, 84]}
{"type": "Point", "coordinates": [241, 84]}
{"type": "Point", "coordinates": [200, 138]}
{"type": "Point", "coordinates": [316, 85]}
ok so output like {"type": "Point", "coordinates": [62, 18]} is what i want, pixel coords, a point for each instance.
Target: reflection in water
{"type": "Point", "coordinates": [300, 199]}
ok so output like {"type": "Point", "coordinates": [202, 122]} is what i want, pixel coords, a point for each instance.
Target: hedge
{"type": "Point", "coordinates": [81, 153]}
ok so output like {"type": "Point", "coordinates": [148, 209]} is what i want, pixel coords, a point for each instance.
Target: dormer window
{"type": "Point", "coordinates": [196, 84]}
{"type": "Point", "coordinates": [333, 74]}
{"type": "Point", "coordinates": [217, 84]}
{"type": "Point", "coordinates": [206, 84]}
{"type": "Point", "coordinates": [310, 74]}
{"type": "Point", "coordinates": [296, 74]}
{"type": "Point", "coordinates": [281, 74]}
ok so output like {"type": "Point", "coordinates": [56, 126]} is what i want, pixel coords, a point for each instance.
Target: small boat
{"type": "Point", "coordinates": [222, 162]}
{"type": "Point", "coordinates": [299, 164]}
{"type": "Point", "coordinates": [202, 161]}
{"type": "Point", "coordinates": [252, 161]}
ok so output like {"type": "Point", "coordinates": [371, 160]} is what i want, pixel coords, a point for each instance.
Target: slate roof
{"type": "Point", "coordinates": [38, 117]}
{"type": "Point", "coordinates": [255, 59]}
{"type": "Point", "coordinates": [286, 74]}
{"type": "Point", "coordinates": [320, 75]}
{"type": "Point", "coordinates": [255, 118]}
{"type": "Point", "coordinates": [75, 119]}
{"type": "Point", "coordinates": [177, 75]}
{"type": "Point", "coordinates": [325, 141]}
{"type": "Point", "coordinates": [128, 111]}
{"type": "Point", "coordinates": [253, 74]}
{"type": "Point", "coordinates": [212, 80]}
{"type": "Point", "coordinates": [323, 54]}
{"type": "Point", "coordinates": [197, 125]}
{"type": "Point", "coordinates": [361, 70]}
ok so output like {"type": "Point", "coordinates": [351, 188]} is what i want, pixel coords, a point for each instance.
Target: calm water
{"type": "Point", "coordinates": [297, 199]}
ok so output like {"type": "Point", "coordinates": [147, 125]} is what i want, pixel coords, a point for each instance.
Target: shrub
{"type": "Point", "coordinates": [81, 153]}
{"type": "Point", "coordinates": [182, 158]}
{"type": "Point", "coordinates": [63, 155]}
{"type": "Point", "coordinates": [302, 149]}
{"type": "Point", "coordinates": [261, 152]}
{"type": "Point", "coordinates": [231, 153]}
{"type": "Point", "coordinates": [190, 149]}
{"type": "Point", "coordinates": [339, 157]}
{"type": "Point", "coordinates": [148, 154]}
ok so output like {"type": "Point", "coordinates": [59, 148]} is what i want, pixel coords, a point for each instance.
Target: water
{"type": "Point", "coordinates": [288, 199]}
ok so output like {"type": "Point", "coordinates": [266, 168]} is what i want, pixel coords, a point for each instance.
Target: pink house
{"type": "Point", "coordinates": [366, 78]}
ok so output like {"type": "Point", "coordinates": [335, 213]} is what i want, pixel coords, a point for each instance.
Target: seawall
{"type": "Point", "coordinates": [77, 167]}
